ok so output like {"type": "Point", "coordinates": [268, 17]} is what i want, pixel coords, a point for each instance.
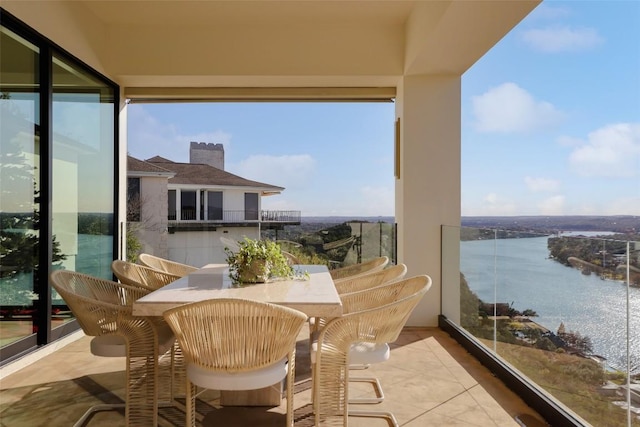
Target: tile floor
{"type": "Point", "coordinates": [430, 380]}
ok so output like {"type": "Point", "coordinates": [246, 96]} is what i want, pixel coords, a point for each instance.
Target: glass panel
{"type": "Point", "coordinates": [188, 205]}
{"type": "Point", "coordinates": [214, 200]}
{"type": "Point", "coordinates": [83, 170]}
{"type": "Point", "coordinates": [251, 206]}
{"type": "Point", "coordinates": [561, 309]}
{"type": "Point", "coordinates": [19, 185]}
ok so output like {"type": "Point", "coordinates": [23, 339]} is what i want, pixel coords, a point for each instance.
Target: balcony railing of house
{"type": "Point", "coordinates": [556, 317]}
{"type": "Point", "coordinates": [236, 216]}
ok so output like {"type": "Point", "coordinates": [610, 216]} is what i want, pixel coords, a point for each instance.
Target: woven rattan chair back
{"type": "Point", "coordinates": [359, 269]}
{"type": "Point", "coordinates": [141, 276]}
{"type": "Point", "coordinates": [104, 308]}
{"type": "Point", "coordinates": [371, 280]}
{"type": "Point", "coordinates": [165, 265]}
{"type": "Point", "coordinates": [360, 284]}
{"type": "Point", "coordinates": [377, 318]}
{"type": "Point", "coordinates": [387, 293]}
{"type": "Point", "coordinates": [236, 336]}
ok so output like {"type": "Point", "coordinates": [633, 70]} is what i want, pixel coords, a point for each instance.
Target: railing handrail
{"type": "Point", "coordinates": [244, 215]}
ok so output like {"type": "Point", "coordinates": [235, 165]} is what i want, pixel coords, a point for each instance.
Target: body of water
{"type": "Point", "coordinates": [519, 271]}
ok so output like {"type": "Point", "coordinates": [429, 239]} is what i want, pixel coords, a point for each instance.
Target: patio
{"type": "Point", "coordinates": [429, 380]}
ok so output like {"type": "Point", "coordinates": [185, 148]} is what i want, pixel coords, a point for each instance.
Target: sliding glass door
{"type": "Point", "coordinates": [19, 185]}
{"type": "Point", "coordinates": [58, 182]}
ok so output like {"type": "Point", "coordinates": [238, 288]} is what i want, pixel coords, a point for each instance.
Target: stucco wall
{"type": "Point", "coordinates": [152, 229]}
{"type": "Point", "coordinates": [199, 248]}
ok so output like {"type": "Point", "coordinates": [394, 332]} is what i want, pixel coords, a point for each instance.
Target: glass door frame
{"type": "Point", "coordinates": [44, 334]}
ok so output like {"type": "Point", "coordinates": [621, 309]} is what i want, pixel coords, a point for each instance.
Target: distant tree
{"type": "Point", "coordinates": [578, 342]}
{"type": "Point", "coordinates": [20, 229]}
{"type": "Point", "coordinates": [546, 344]}
{"type": "Point", "coordinates": [469, 305]}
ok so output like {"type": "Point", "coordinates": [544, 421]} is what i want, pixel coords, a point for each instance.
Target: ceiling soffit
{"type": "Point", "coordinates": [277, 44]}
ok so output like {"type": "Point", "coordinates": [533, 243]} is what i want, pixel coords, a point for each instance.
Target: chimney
{"type": "Point", "coordinates": [208, 154]}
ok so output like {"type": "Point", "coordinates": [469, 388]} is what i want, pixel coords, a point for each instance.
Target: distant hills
{"type": "Point", "coordinates": [551, 224]}
{"type": "Point", "coordinates": [342, 219]}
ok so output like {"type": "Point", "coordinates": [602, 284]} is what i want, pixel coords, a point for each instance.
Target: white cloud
{"type": "Point", "coordinates": [562, 39]}
{"type": "Point", "coordinates": [623, 206]}
{"type": "Point", "coordinates": [611, 151]}
{"type": "Point", "coordinates": [509, 108]}
{"type": "Point", "coordinates": [148, 137]}
{"type": "Point", "coordinates": [541, 184]}
{"type": "Point", "coordinates": [552, 206]}
{"type": "Point", "coordinates": [569, 141]}
{"type": "Point", "coordinates": [376, 201]}
{"type": "Point", "coordinates": [293, 172]}
{"type": "Point", "coordinates": [491, 205]}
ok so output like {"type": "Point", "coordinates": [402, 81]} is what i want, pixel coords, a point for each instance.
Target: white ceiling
{"type": "Point", "coordinates": [273, 43]}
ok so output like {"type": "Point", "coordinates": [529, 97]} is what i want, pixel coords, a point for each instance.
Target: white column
{"type": "Point", "coordinates": [428, 191]}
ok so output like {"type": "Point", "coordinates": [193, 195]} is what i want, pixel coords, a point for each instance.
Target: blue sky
{"type": "Point", "coordinates": [550, 126]}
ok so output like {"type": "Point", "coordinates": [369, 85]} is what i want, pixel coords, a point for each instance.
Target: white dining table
{"type": "Point", "coordinates": [314, 295]}
{"type": "Point", "coordinates": [311, 292]}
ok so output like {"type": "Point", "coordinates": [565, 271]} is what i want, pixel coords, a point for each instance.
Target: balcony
{"type": "Point", "coordinates": [533, 327]}
{"type": "Point", "coordinates": [189, 221]}
{"type": "Point", "coordinates": [429, 380]}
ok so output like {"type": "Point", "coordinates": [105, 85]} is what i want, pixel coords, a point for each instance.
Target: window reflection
{"type": "Point", "coordinates": [82, 175]}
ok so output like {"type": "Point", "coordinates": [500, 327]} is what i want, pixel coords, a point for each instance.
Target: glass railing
{"type": "Point", "coordinates": [562, 310]}
{"type": "Point", "coordinates": [337, 244]}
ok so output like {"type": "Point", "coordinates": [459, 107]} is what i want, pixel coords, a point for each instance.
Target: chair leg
{"type": "Point", "coordinates": [377, 388]}
{"type": "Point", "coordinates": [291, 369]}
{"type": "Point", "coordinates": [142, 388]}
{"type": "Point", "coordinates": [98, 408]}
{"type": "Point", "coordinates": [191, 404]}
{"type": "Point", "coordinates": [391, 419]}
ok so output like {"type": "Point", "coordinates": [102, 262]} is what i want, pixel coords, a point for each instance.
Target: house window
{"type": "Point", "coordinates": [188, 207]}
{"type": "Point", "coordinates": [172, 205]}
{"type": "Point", "coordinates": [214, 205]}
{"type": "Point", "coordinates": [202, 206]}
{"type": "Point", "coordinates": [251, 206]}
{"type": "Point", "coordinates": [133, 200]}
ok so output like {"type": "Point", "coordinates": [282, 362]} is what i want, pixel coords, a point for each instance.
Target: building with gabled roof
{"type": "Point", "coordinates": [180, 210]}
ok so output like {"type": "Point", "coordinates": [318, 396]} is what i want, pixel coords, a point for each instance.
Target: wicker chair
{"type": "Point", "coordinates": [371, 279]}
{"type": "Point", "coordinates": [103, 310]}
{"type": "Point", "coordinates": [291, 258]}
{"type": "Point", "coordinates": [361, 283]}
{"type": "Point", "coordinates": [236, 344]}
{"type": "Point", "coordinates": [362, 335]}
{"type": "Point", "coordinates": [351, 271]}
{"type": "Point", "coordinates": [165, 265]}
{"type": "Point", "coordinates": [138, 275]}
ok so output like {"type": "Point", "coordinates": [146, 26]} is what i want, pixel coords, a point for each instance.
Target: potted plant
{"type": "Point", "coordinates": [257, 261]}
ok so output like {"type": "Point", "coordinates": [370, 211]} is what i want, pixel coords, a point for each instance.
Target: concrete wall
{"type": "Point", "coordinates": [428, 191]}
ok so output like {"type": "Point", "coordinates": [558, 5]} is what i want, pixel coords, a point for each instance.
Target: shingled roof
{"type": "Point", "coordinates": [137, 167]}
{"type": "Point", "coordinates": [200, 174]}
